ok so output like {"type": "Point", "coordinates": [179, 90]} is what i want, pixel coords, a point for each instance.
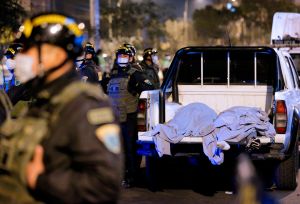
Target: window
{"type": "Point", "coordinates": [295, 73]}
{"type": "Point", "coordinates": [190, 68]}
{"type": "Point", "coordinates": [241, 67]}
{"type": "Point", "coordinates": [296, 58]}
{"type": "Point", "coordinates": [245, 67]}
{"type": "Point", "coordinates": [215, 67]}
{"type": "Point", "coordinates": [290, 70]}
{"type": "Point", "coordinates": [265, 66]}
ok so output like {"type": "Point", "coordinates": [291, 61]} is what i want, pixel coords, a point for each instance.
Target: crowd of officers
{"type": "Point", "coordinates": [68, 134]}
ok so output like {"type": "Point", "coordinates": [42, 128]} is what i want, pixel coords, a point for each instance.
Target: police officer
{"type": "Point", "coordinates": [150, 66]}
{"type": "Point", "coordinates": [88, 69]}
{"type": "Point", "coordinates": [79, 159]}
{"type": "Point", "coordinates": [14, 89]}
{"type": "Point", "coordinates": [125, 85]}
{"type": "Point", "coordinates": [132, 59]}
{"type": "Point", "coordinates": [10, 64]}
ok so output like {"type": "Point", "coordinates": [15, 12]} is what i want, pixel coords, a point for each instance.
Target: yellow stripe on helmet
{"type": "Point", "coordinates": [11, 50]}
{"type": "Point", "coordinates": [52, 19]}
{"type": "Point", "coordinates": [27, 28]}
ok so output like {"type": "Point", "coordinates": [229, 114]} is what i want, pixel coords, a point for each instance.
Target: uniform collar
{"type": "Point", "coordinates": [56, 86]}
{"type": "Point", "coordinates": [146, 65]}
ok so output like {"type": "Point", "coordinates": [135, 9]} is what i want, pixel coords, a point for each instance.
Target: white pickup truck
{"type": "Point", "coordinates": [223, 77]}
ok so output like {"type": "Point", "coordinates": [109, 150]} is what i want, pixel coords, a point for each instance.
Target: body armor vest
{"type": "Point", "coordinates": [122, 100]}
{"type": "Point", "coordinates": [18, 139]}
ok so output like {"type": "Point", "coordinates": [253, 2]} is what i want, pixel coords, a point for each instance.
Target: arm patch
{"type": "Point", "coordinates": [100, 115]}
{"type": "Point", "coordinates": [109, 135]}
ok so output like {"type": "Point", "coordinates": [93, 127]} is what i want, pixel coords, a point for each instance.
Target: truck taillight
{"type": "Point", "coordinates": [141, 119]}
{"type": "Point", "coordinates": [280, 117]}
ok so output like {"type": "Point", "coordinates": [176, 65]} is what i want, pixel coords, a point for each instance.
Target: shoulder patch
{"type": "Point", "coordinates": [109, 135]}
{"type": "Point", "coordinates": [100, 115]}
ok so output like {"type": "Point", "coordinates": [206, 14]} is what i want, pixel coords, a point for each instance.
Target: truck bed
{"type": "Point", "coordinates": [143, 137]}
{"type": "Point", "coordinates": [222, 97]}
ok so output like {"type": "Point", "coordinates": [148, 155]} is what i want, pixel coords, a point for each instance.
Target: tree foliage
{"type": "Point", "coordinates": [260, 13]}
{"type": "Point", "coordinates": [210, 22]}
{"type": "Point", "coordinates": [11, 14]}
{"type": "Point", "coordinates": [257, 15]}
{"type": "Point", "coordinates": [133, 19]}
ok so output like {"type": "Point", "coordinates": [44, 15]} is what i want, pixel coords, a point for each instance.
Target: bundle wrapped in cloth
{"type": "Point", "coordinates": [199, 120]}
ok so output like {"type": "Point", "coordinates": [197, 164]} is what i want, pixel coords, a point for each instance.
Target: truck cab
{"type": "Point", "coordinates": [223, 77]}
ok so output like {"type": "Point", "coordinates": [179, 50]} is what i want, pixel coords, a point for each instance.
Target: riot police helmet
{"type": "Point", "coordinates": [131, 47]}
{"type": "Point", "coordinates": [89, 48]}
{"type": "Point", "coordinates": [149, 52]}
{"type": "Point", "coordinates": [122, 56]}
{"type": "Point", "coordinates": [12, 50]}
{"type": "Point", "coordinates": [52, 28]}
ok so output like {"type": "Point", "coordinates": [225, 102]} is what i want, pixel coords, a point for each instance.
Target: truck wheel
{"type": "Point", "coordinates": [286, 171]}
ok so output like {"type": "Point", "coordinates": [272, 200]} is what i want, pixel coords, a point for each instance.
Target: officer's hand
{"type": "Point", "coordinates": [35, 167]}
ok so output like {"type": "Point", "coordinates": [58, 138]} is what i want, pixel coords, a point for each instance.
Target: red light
{"type": "Point", "coordinates": [281, 117]}
{"type": "Point", "coordinates": [280, 107]}
{"type": "Point", "coordinates": [142, 106]}
{"type": "Point", "coordinates": [281, 130]}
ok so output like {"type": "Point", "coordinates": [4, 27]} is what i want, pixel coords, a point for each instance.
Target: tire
{"type": "Point", "coordinates": [286, 171]}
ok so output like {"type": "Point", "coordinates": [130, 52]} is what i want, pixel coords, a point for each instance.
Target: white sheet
{"type": "Point", "coordinates": [199, 120]}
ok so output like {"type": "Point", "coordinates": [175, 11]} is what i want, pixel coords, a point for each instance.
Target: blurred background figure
{"type": "Point", "coordinates": [249, 187]}
{"type": "Point", "coordinates": [101, 60]}
{"type": "Point", "coordinates": [8, 66]}
{"type": "Point", "coordinates": [150, 66]}
{"type": "Point", "coordinates": [89, 70]}
{"type": "Point", "coordinates": [132, 59]}
{"type": "Point", "coordinates": [114, 67]}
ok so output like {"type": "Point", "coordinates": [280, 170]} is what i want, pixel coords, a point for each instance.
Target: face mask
{"type": "Point", "coordinates": [10, 64]}
{"type": "Point", "coordinates": [23, 69]}
{"type": "Point", "coordinates": [155, 59]}
{"type": "Point", "coordinates": [122, 61]}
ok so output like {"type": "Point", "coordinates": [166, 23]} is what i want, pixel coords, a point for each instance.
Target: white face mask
{"type": "Point", "coordinates": [23, 69]}
{"type": "Point", "coordinates": [10, 64]}
{"type": "Point", "coordinates": [155, 59]}
{"type": "Point", "coordinates": [122, 61]}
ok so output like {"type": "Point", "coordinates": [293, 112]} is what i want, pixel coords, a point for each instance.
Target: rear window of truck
{"type": "Point", "coordinates": [235, 67]}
